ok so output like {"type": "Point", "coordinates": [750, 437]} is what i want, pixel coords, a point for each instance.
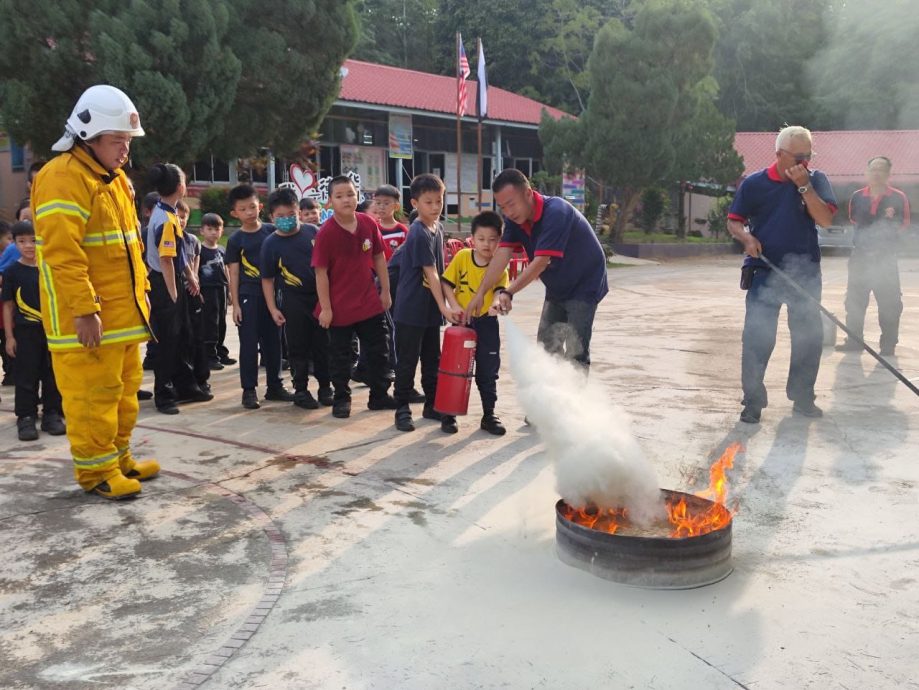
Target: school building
{"type": "Point", "coordinates": [390, 124]}
{"type": "Point", "coordinates": [14, 164]}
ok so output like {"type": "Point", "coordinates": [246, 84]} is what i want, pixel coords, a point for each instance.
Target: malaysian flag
{"type": "Point", "coordinates": [462, 74]}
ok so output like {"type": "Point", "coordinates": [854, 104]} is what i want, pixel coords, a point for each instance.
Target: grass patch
{"type": "Point", "coordinates": [640, 237]}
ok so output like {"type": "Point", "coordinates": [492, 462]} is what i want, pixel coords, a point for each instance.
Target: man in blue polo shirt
{"type": "Point", "coordinates": [782, 206]}
{"type": "Point", "coordinates": [563, 252]}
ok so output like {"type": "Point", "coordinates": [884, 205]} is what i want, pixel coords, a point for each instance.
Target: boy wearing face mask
{"type": "Point", "coordinates": [285, 265]}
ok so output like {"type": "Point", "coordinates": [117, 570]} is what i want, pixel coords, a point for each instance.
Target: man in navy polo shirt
{"type": "Point", "coordinates": [879, 213]}
{"type": "Point", "coordinates": [563, 252]}
{"type": "Point", "coordinates": [782, 206]}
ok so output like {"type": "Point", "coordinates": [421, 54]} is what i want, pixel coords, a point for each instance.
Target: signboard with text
{"type": "Point", "coordinates": [400, 136]}
{"type": "Point", "coordinates": [574, 186]}
{"type": "Point", "coordinates": [307, 184]}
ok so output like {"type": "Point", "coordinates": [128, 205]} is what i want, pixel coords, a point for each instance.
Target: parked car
{"type": "Point", "coordinates": [836, 237]}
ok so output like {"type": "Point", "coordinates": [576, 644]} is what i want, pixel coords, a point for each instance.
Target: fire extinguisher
{"type": "Point", "coordinates": [454, 377]}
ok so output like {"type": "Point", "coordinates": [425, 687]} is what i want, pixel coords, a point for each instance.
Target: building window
{"type": "Point", "coordinates": [252, 170]}
{"type": "Point", "coordinates": [329, 161]}
{"type": "Point", "coordinates": [209, 170]}
{"type": "Point", "coordinates": [487, 174]}
{"type": "Point", "coordinates": [523, 165]}
{"type": "Point", "coordinates": [17, 157]}
{"type": "Point", "coordinates": [220, 170]}
{"type": "Point", "coordinates": [201, 171]}
{"type": "Point", "coordinates": [356, 131]}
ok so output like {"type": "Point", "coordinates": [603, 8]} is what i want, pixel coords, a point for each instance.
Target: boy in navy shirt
{"type": "Point", "coordinates": [309, 212]}
{"type": "Point", "coordinates": [286, 258]}
{"type": "Point", "coordinates": [6, 241]}
{"type": "Point", "coordinates": [194, 302]}
{"type": "Point", "coordinates": [782, 206]}
{"type": "Point", "coordinates": [347, 253]}
{"type": "Point", "coordinates": [420, 306]}
{"type": "Point", "coordinates": [214, 281]}
{"type": "Point", "coordinates": [26, 342]}
{"type": "Point", "coordinates": [257, 330]}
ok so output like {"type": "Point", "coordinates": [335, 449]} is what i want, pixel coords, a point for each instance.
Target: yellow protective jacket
{"type": "Point", "coordinates": [89, 252]}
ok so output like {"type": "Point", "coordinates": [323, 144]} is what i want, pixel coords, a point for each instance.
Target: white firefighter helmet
{"type": "Point", "coordinates": [101, 108]}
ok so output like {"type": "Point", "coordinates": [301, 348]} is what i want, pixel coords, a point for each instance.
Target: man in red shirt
{"type": "Point", "coordinates": [348, 251]}
{"type": "Point", "coordinates": [879, 213]}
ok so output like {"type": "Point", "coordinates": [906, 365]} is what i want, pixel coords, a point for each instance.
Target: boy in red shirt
{"type": "Point", "coordinates": [348, 250]}
{"type": "Point", "coordinates": [386, 201]}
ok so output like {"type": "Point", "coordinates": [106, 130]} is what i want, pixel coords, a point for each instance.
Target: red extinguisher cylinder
{"type": "Point", "coordinates": [457, 365]}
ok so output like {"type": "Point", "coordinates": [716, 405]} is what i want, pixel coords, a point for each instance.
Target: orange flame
{"type": "Point", "coordinates": [685, 521]}
{"type": "Point", "coordinates": [601, 519]}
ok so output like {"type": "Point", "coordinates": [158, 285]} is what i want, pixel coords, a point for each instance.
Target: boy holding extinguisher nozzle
{"type": "Point", "coordinates": [420, 306]}
{"type": "Point", "coordinates": [461, 282]}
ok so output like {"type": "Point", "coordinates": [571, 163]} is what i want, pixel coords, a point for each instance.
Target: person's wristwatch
{"type": "Point", "coordinates": [804, 189]}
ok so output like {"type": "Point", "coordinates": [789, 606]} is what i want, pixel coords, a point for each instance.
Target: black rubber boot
{"type": "Point", "coordinates": [305, 400]}
{"type": "Point", "coordinates": [404, 419]}
{"type": "Point", "coordinates": [250, 399]}
{"type": "Point", "coordinates": [52, 423]}
{"type": "Point", "coordinates": [492, 424]}
{"type": "Point", "coordinates": [25, 426]}
{"type": "Point", "coordinates": [448, 424]}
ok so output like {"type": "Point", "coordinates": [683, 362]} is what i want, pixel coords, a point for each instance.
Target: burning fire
{"type": "Point", "coordinates": [685, 521]}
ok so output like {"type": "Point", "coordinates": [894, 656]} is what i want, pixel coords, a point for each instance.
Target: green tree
{"type": "Point", "coordinates": [398, 32]}
{"type": "Point", "coordinates": [718, 216]}
{"type": "Point", "coordinates": [224, 76]}
{"type": "Point", "coordinates": [44, 67]}
{"type": "Point", "coordinates": [538, 48]}
{"type": "Point", "coordinates": [866, 73]}
{"type": "Point", "coordinates": [177, 69]}
{"type": "Point", "coordinates": [511, 33]}
{"type": "Point", "coordinates": [292, 52]}
{"type": "Point", "coordinates": [649, 87]}
{"type": "Point", "coordinates": [653, 206]}
{"type": "Point", "coordinates": [761, 60]}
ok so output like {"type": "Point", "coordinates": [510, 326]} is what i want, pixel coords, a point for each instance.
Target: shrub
{"type": "Point", "coordinates": [653, 206]}
{"type": "Point", "coordinates": [214, 200]}
{"type": "Point", "coordinates": [718, 216]}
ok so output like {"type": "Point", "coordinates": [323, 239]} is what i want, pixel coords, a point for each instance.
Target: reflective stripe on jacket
{"type": "Point", "coordinates": [88, 251]}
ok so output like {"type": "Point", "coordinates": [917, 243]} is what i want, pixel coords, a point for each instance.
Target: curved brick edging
{"type": "Point", "coordinates": [277, 577]}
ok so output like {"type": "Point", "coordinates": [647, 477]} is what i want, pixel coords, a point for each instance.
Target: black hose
{"type": "Point", "coordinates": [887, 365]}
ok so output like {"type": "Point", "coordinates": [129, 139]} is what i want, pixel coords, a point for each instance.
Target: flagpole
{"type": "Point", "coordinates": [478, 107]}
{"type": "Point", "coordinates": [459, 143]}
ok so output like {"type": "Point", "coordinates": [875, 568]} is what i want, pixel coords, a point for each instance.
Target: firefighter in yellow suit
{"type": "Point", "coordinates": [93, 289]}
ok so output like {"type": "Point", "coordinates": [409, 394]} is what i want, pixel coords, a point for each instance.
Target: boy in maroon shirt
{"type": "Point", "coordinates": [348, 251]}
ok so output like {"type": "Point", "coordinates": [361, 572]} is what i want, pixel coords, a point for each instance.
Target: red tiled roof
{"type": "Point", "coordinates": [843, 156]}
{"type": "Point", "coordinates": [366, 82]}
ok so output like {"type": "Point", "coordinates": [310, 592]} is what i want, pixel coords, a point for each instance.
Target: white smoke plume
{"type": "Point", "coordinates": [597, 459]}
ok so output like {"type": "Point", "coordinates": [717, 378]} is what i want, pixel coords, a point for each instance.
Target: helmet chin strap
{"type": "Point", "coordinates": [112, 174]}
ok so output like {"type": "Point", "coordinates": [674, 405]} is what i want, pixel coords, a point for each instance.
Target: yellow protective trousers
{"type": "Point", "coordinates": [99, 391]}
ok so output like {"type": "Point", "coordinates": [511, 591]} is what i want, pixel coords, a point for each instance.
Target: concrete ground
{"type": "Point", "coordinates": [286, 549]}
